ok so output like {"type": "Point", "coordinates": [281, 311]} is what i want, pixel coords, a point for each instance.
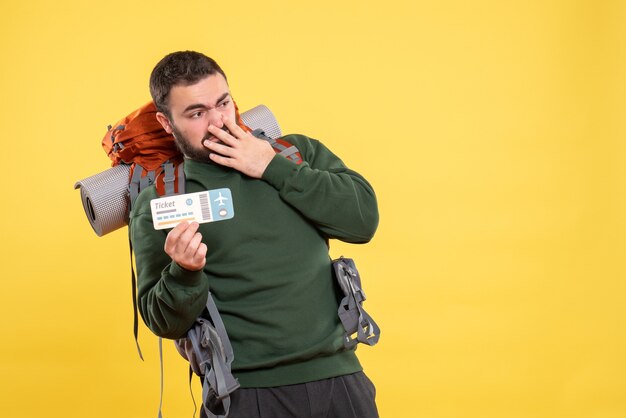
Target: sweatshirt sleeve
{"type": "Point", "coordinates": [170, 298]}
{"type": "Point", "coordinates": [339, 201]}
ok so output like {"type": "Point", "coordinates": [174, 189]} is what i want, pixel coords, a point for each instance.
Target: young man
{"type": "Point", "coordinates": [268, 267]}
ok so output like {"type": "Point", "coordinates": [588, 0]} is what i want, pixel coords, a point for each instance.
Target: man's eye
{"type": "Point", "coordinates": [224, 103]}
{"type": "Point", "coordinates": [196, 115]}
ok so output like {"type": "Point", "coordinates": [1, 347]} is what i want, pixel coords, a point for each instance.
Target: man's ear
{"type": "Point", "coordinates": [164, 121]}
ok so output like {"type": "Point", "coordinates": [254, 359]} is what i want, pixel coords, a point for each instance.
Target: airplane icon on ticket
{"type": "Point", "coordinates": [221, 200]}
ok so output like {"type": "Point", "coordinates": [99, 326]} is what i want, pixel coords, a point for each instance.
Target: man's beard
{"type": "Point", "coordinates": [188, 150]}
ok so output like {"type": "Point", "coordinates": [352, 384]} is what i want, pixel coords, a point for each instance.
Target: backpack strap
{"type": "Point", "coordinates": [134, 184]}
{"type": "Point", "coordinates": [351, 312]}
{"type": "Point", "coordinates": [160, 414]}
{"type": "Point", "coordinates": [223, 381]}
{"type": "Point", "coordinates": [168, 178]}
{"type": "Point", "coordinates": [134, 293]}
{"type": "Point", "coordinates": [289, 152]}
{"type": "Point", "coordinates": [146, 180]}
{"type": "Point", "coordinates": [210, 355]}
{"type": "Point", "coordinates": [180, 171]}
{"type": "Point", "coordinates": [193, 399]}
{"type": "Point", "coordinates": [281, 146]}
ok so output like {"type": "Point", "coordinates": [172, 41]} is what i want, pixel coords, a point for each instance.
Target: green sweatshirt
{"type": "Point", "coordinates": [268, 267]}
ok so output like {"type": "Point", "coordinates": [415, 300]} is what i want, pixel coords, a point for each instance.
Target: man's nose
{"type": "Point", "coordinates": [215, 118]}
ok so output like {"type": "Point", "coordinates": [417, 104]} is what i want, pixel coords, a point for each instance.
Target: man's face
{"type": "Point", "coordinates": [193, 108]}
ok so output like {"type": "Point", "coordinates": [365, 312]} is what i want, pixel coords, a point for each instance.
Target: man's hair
{"type": "Point", "coordinates": [179, 68]}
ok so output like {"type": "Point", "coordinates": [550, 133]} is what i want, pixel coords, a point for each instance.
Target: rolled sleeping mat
{"type": "Point", "coordinates": [105, 195]}
{"type": "Point", "coordinates": [260, 117]}
{"type": "Point", "coordinates": [105, 199]}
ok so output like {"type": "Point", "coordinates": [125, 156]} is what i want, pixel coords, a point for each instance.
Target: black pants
{"type": "Point", "coordinates": [350, 396]}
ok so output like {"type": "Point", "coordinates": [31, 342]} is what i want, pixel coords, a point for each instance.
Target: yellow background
{"type": "Point", "coordinates": [493, 132]}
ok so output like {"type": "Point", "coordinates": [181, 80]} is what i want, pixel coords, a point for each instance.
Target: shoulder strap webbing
{"type": "Point", "coordinates": [351, 312]}
{"type": "Point", "coordinates": [133, 185]}
{"type": "Point", "coordinates": [288, 152]}
{"type": "Point", "coordinates": [281, 146]}
{"type": "Point", "coordinates": [160, 414]}
{"type": "Point", "coordinates": [168, 178]}
{"type": "Point", "coordinates": [180, 171]}
{"type": "Point", "coordinates": [134, 293]}
{"type": "Point", "coordinates": [136, 184]}
{"type": "Point", "coordinates": [146, 180]}
{"type": "Point", "coordinates": [223, 381]}
{"type": "Point", "coordinates": [218, 382]}
{"type": "Point", "coordinates": [210, 355]}
{"type": "Point", "coordinates": [139, 181]}
{"type": "Point", "coordinates": [193, 399]}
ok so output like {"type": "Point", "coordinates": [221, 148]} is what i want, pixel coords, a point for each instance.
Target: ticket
{"type": "Point", "coordinates": [208, 206]}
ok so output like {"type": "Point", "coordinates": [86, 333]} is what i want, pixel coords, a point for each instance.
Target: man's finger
{"type": "Point", "coordinates": [179, 243]}
{"type": "Point", "coordinates": [174, 235]}
{"type": "Point", "coordinates": [192, 247]}
{"type": "Point", "coordinates": [222, 135]}
{"type": "Point", "coordinates": [186, 237]}
{"type": "Point", "coordinates": [221, 160]}
{"type": "Point", "coordinates": [200, 256]}
{"type": "Point", "coordinates": [234, 129]}
{"type": "Point", "coordinates": [219, 148]}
